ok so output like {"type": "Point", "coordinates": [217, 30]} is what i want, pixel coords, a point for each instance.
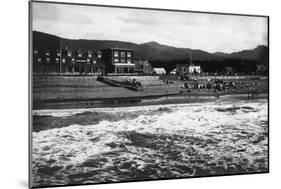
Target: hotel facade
{"type": "Point", "coordinates": [83, 62]}
{"type": "Point", "coordinates": [66, 61]}
{"type": "Point", "coordinates": [118, 60]}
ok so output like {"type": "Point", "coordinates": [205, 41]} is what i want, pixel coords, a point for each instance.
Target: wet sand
{"type": "Point", "coordinates": [142, 101]}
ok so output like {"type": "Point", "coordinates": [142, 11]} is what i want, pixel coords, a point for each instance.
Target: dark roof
{"type": "Point", "coordinates": [117, 48]}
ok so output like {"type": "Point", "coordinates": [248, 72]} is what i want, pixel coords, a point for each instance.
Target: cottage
{"type": "Point", "coordinates": [159, 71]}
{"type": "Point", "coordinates": [174, 71]}
{"type": "Point", "coordinates": [182, 69]}
{"type": "Point", "coordinates": [143, 67]}
{"type": "Point", "coordinates": [194, 69]}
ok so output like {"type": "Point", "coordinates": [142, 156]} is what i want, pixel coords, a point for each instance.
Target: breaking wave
{"type": "Point", "coordinates": [149, 142]}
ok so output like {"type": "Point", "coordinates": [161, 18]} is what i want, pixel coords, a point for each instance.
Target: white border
{"type": "Point", "coordinates": [14, 92]}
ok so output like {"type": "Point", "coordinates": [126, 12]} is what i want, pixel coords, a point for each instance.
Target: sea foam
{"type": "Point", "coordinates": [162, 141]}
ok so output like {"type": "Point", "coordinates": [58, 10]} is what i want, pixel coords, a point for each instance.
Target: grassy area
{"type": "Point", "coordinates": [79, 89]}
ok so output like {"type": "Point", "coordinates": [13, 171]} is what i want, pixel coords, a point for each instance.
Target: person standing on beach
{"type": "Point", "coordinates": [249, 91]}
{"type": "Point", "coordinates": [253, 92]}
{"type": "Point", "coordinates": [209, 86]}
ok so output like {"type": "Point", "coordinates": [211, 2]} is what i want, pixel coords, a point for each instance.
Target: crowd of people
{"type": "Point", "coordinates": [132, 84]}
{"type": "Point", "coordinates": [218, 85]}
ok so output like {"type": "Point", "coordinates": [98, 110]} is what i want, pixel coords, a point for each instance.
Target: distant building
{"type": "Point", "coordinates": [181, 69]}
{"type": "Point", "coordinates": [147, 68]}
{"type": "Point", "coordinates": [194, 69]}
{"type": "Point", "coordinates": [188, 69]}
{"type": "Point", "coordinates": [159, 71]}
{"type": "Point", "coordinates": [118, 60]}
{"type": "Point", "coordinates": [174, 71]}
{"type": "Point", "coordinates": [45, 61]}
{"type": "Point", "coordinates": [143, 67]}
{"type": "Point", "coordinates": [66, 61]}
{"type": "Point", "coordinates": [261, 68]}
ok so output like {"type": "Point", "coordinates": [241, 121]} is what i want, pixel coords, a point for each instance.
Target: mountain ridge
{"type": "Point", "coordinates": [151, 50]}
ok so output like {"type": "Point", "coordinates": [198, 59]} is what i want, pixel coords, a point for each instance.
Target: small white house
{"type": "Point", "coordinates": [159, 71]}
{"type": "Point", "coordinates": [194, 69]}
{"type": "Point", "coordinates": [174, 71]}
{"type": "Point", "coordinates": [187, 69]}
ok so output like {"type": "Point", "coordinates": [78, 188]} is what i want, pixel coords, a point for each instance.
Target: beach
{"type": "Point", "coordinates": [60, 92]}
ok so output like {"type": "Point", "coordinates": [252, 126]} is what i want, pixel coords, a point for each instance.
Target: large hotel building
{"type": "Point", "coordinates": [118, 60]}
{"type": "Point", "coordinates": [67, 61]}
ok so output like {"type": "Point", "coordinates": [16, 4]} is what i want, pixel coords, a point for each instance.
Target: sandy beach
{"type": "Point", "coordinates": [86, 92]}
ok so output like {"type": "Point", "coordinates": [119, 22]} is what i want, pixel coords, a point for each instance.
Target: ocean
{"type": "Point", "coordinates": [82, 146]}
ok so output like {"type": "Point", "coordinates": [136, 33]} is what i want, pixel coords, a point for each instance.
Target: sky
{"type": "Point", "coordinates": [208, 32]}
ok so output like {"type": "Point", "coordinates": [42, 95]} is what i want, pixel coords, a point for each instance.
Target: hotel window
{"type": "Point", "coordinates": [129, 61]}
{"type": "Point", "coordinates": [48, 60]}
{"type": "Point", "coordinates": [123, 60]}
{"type": "Point", "coordinates": [39, 60]}
{"type": "Point", "coordinates": [73, 61]}
{"type": "Point", "coordinates": [119, 70]}
{"type": "Point", "coordinates": [58, 54]}
{"type": "Point", "coordinates": [122, 54]}
{"type": "Point", "coordinates": [94, 61]}
{"type": "Point", "coordinates": [90, 53]}
{"type": "Point", "coordinates": [129, 54]}
{"type": "Point", "coordinates": [99, 54]}
{"type": "Point", "coordinates": [116, 53]}
{"type": "Point", "coordinates": [63, 60]}
{"type": "Point", "coordinates": [115, 60]}
{"type": "Point", "coordinates": [57, 60]}
{"type": "Point", "coordinates": [88, 61]}
{"type": "Point", "coordinates": [69, 53]}
{"type": "Point", "coordinates": [47, 54]}
{"type": "Point", "coordinates": [35, 52]}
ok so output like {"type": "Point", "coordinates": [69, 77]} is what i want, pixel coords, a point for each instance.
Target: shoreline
{"type": "Point", "coordinates": [87, 92]}
{"type": "Point", "coordinates": [185, 98]}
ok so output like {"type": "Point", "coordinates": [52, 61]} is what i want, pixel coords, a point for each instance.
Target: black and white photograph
{"type": "Point", "coordinates": [124, 94]}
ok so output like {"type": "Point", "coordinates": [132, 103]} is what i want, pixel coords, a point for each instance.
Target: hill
{"type": "Point", "coordinates": [151, 51]}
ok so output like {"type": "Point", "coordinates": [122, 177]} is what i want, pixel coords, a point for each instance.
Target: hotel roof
{"type": "Point", "coordinates": [117, 48]}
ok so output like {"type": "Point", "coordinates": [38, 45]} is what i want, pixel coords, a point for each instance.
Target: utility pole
{"type": "Point", "coordinates": [60, 57]}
